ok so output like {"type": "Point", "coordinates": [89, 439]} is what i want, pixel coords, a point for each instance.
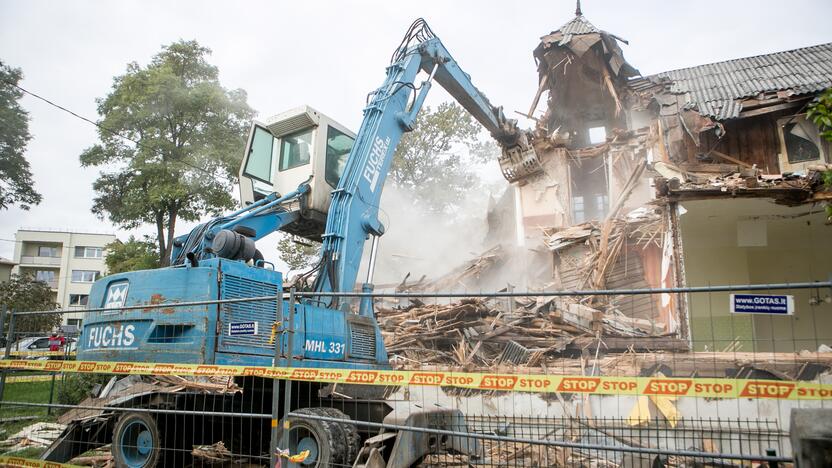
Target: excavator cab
{"type": "Point", "coordinates": [292, 147]}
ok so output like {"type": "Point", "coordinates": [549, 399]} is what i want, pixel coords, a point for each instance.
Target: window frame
{"type": "Point", "coordinates": [284, 140]}
{"type": "Point", "coordinates": [86, 249]}
{"type": "Point", "coordinates": [81, 298]}
{"type": "Point", "coordinates": [52, 249]}
{"type": "Point", "coordinates": [327, 158]}
{"type": "Point", "coordinates": [246, 172]}
{"type": "Point", "coordinates": [50, 273]}
{"type": "Point", "coordinates": [96, 275]}
{"type": "Point", "coordinates": [589, 199]}
{"type": "Point", "coordinates": [589, 135]}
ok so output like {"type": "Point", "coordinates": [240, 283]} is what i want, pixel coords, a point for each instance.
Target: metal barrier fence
{"type": "Point", "coordinates": [565, 390]}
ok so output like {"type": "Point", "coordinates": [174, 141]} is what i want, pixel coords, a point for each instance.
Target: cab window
{"type": "Point", "coordinates": [338, 146]}
{"type": "Point", "coordinates": [296, 150]}
{"type": "Point", "coordinates": [259, 163]}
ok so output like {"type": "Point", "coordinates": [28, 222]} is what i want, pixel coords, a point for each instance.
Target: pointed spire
{"type": "Point", "coordinates": [578, 9]}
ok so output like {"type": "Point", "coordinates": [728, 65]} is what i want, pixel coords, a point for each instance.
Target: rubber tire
{"type": "Point", "coordinates": [122, 423]}
{"type": "Point", "coordinates": [332, 449]}
{"type": "Point", "coordinates": [353, 439]}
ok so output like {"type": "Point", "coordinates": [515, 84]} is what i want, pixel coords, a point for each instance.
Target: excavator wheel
{"type": "Point", "coordinates": [326, 441]}
{"type": "Point", "coordinates": [137, 441]}
{"type": "Point", "coordinates": [350, 432]}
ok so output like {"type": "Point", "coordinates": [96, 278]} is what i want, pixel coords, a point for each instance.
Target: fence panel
{"type": "Point", "coordinates": [501, 379]}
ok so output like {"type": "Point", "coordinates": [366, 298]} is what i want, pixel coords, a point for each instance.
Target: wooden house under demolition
{"type": "Point", "coordinates": [708, 175]}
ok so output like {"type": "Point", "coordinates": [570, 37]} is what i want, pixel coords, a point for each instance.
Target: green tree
{"type": "Point", "coordinates": [132, 255]}
{"type": "Point", "coordinates": [820, 112]}
{"type": "Point", "coordinates": [16, 186]}
{"type": "Point", "coordinates": [190, 133]}
{"type": "Point", "coordinates": [23, 293]}
{"type": "Point", "coordinates": [297, 252]}
{"type": "Point", "coordinates": [431, 161]}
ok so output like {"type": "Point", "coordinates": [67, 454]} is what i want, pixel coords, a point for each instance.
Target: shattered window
{"type": "Point", "coordinates": [296, 150]}
{"type": "Point", "coordinates": [578, 209]}
{"type": "Point", "coordinates": [800, 136]}
{"type": "Point", "coordinates": [589, 189]}
{"type": "Point", "coordinates": [338, 146]}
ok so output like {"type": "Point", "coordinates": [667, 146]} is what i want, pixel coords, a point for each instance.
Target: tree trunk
{"type": "Point", "coordinates": [172, 214]}
{"type": "Point", "coordinates": [160, 237]}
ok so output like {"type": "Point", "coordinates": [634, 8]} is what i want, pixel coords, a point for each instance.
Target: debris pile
{"type": "Point", "coordinates": [92, 414]}
{"type": "Point", "coordinates": [101, 457]}
{"type": "Point", "coordinates": [698, 181]}
{"type": "Point", "coordinates": [489, 332]}
{"type": "Point", "coordinates": [39, 434]}
{"type": "Point", "coordinates": [563, 336]}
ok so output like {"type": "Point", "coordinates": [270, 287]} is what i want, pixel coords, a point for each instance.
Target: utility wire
{"type": "Point", "coordinates": [111, 131]}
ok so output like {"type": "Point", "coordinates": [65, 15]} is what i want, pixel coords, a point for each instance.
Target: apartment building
{"type": "Point", "coordinates": [70, 262]}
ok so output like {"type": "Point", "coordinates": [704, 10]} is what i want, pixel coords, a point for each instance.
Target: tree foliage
{"type": "Point", "coordinates": [820, 112]}
{"type": "Point", "coordinates": [432, 162]}
{"type": "Point", "coordinates": [23, 293]}
{"type": "Point", "coordinates": [298, 253]}
{"type": "Point", "coordinates": [190, 133]}
{"type": "Point", "coordinates": [132, 255]}
{"type": "Point", "coordinates": [16, 185]}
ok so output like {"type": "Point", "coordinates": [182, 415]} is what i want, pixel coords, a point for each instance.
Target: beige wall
{"type": "Point", "coordinates": [797, 248]}
{"type": "Point", "coordinates": [5, 271]}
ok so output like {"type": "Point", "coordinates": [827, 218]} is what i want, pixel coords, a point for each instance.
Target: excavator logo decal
{"type": "Point", "coordinates": [116, 295]}
{"type": "Point", "coordinates": [374, 162]}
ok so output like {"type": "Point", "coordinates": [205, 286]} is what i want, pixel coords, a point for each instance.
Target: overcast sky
{"type": "Point", "coordinates": [330, 55]}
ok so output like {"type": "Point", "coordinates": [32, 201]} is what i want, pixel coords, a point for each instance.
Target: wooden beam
{"type": "Point", "coordinates": [732, 159]}
{"type": "Point", "coordinates": [774, 108]}
{"type": "Point", "coordinates": [540, 89]}
{"type": "Point", "coordinates": [646, 343]}
{"type": "Point", "coordinates": [710, 168]}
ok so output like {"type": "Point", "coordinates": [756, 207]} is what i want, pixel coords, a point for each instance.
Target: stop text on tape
{"type": "Point", "coordinates": [533, 383]}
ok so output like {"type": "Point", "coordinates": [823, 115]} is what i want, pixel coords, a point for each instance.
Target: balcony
{"type": "Point", "coordinates": [35, 260]}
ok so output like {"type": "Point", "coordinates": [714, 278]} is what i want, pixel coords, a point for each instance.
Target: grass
{"type": "Point", "coordinates": [30, 392]}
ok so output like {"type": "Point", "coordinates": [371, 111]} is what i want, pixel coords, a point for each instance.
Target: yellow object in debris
{"type": "Point", "coordinates": [640, 414]}
{"type": "Point", "coordinates": [667, 408]}
{"type": "Point", "coordinates": [299, 458]}
{"type": "Point", "coordinates": [275, 328]}
{"type": "Point", "coordinates": [665, 404]}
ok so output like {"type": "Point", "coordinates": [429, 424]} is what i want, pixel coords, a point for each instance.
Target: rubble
{"type": "Point", "coordinates": [462, 277]}
{"type": "Point", "coordinates": [120, 390]}
{"type": "Point", "coordinates": [39, 434]}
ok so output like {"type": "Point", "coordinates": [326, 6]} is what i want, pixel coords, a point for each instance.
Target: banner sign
{"type": "Point", "coordinates": [762, 304]}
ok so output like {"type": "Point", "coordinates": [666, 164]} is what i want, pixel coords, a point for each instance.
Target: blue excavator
{"type": "Point", "coordinates": [305, 174]}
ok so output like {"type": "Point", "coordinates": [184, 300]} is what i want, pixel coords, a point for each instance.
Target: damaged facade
{"type": "Point", "coordinates": [699, 176]}
{"type": "Point", "coordinates": [703, 176]}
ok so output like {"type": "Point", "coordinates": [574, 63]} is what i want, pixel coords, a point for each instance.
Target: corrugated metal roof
{"type": "Point", "coordinates": [578, 25]}
{"type": "Point", "coordinates": [716, 89]}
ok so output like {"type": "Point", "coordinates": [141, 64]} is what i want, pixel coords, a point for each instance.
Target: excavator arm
{"type": "Point", "coordinates": [392, 111]}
